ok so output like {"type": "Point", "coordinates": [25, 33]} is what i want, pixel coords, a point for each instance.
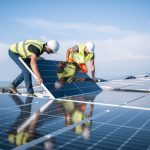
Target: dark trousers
{"type": "Point", "coordinates": [25, 75]}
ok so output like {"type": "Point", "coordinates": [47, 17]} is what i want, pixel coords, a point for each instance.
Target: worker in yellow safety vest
{"type": "Point", "coordinates": [66, 72]}
{"type": "Point", "coordinates": [29, 49]}
{"type": "Point", "coordinates": [73, 114]}
{"type": "Point", "coordinates": [82, 53]}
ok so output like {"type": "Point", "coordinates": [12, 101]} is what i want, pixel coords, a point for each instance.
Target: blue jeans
{"type": "Point", "coordinates": [25, 75]}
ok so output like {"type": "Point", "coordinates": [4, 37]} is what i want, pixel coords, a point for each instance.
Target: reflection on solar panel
{"type": "Point", "coordinates": [69, 124]}
{"type": "Point", "coordinates": [63, 79]}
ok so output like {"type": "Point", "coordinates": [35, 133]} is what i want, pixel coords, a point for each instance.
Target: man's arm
{"type": "Point", "coordinates": [72, 49]}
{"type": "Point", "coordinates": [68, 53]}
{"type": "Point", "coordinates": [33, 124]}
{"type": "Point", "coordinates": [83, 79]}
{"type": "Point", "coordinates": [93, 70]}
{"type": "Point", "coordinates": [35, 68]}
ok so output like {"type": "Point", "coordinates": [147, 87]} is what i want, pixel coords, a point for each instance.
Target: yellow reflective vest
{"type": "Point", "coordinates": [19, 139]}
{"type": "Point", "coordinates": [69, 71]}
{"type": "Point", "coordinates": [78, 116]}
{"type": "Point", "coordinates": [81, 57]}
{"type": "Point", "coordinates": [22, 47]}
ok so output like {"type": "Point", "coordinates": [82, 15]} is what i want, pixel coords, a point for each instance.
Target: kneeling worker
{"type": "Point", "coordinates": [29, 49]}
{"type": "Point", "coordinates": [82, 53]}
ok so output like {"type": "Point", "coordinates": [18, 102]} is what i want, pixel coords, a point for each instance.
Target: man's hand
{"type": "Point", "coordinates": [80, 79]}
{"type": "Point", "coordinates": [39, 80]}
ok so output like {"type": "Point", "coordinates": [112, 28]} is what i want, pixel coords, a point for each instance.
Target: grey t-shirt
{"type": "Point", "coordinates": [76, 49]}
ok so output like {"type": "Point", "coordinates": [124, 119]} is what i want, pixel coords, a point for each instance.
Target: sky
{"type": "Point", "coordinates": [120, 30]}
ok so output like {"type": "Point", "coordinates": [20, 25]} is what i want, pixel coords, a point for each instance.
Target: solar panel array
{"type": "Point", "coordinates": [139, 84]}
{"type": "Point", "coordinates": [88, 119]}
{"type": "Point", "coordinates": [106, 120]}
{"type": "Point", "coordinates": [64, 79]}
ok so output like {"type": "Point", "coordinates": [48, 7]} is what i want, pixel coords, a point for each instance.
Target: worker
{"type": "Point", "coordinates": [29, 49]}
{"type": "Point", "coordinates": [75, 113]}
{"type": "Point", "coordinates": [66, 73]}
{"type": "Point", "coordinates": [82, 53]}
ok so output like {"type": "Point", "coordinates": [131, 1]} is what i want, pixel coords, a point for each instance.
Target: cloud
{"type": "Point", "coordinates": [128, 48]}
{"type": "Point", "coordinates": [4, 51]}
{"type": "Point", "coordinates": [44, 24]}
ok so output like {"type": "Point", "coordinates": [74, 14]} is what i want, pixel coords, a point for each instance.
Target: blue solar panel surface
{"type": "Point", "coordinates": [64, 79]}
{"type": "Point", "coordinates": [93, 121]}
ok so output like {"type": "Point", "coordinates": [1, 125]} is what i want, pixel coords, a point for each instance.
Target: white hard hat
{"type": "Point", "coordinates": [58, 85]}
{"type": "Point", "coordinates": [48, 144]}
{"type": "Point", "coordinates": [86, 133]}
{"type": "Point", "coordinates": [90, 46]}
{"type": "Point", "coordinates": [53, 45]}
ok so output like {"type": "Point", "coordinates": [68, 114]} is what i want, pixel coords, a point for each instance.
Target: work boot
{"type": "Point", "coordinates": [31, 95]}
{"type": "Point", "coordinates": [12, 89]}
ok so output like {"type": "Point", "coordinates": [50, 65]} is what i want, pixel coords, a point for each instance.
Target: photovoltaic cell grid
{"type": "Point", "coordinates": [50, 121]}
{"type": "Point", "coordinates": [62, 72]}
{"type": "Point", "coordinates": [121, 129]}
{"type": "Point", "coordinates": [111, 97]}
{"type": "Point", "coordinates": [118, 128]}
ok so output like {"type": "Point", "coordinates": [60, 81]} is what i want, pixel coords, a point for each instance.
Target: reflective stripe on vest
{"type": "Point", "coordinates": [71, 56]}
{"type": "Point", "coordinates": [70, 67]}
{"type": "Point", "coordinates": [17, 48]}
{"type": "Point", "coordinates": [19, 138]}
{"type": "Point", "coordinates": [78, 58]}
{"type": "Point", "coordinates": [25, 50]}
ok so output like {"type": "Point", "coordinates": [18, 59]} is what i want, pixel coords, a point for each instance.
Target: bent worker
{"type": "Point", "coordinates": [66, 73]}
{"type": "Point", "coordinates": [29, 49]}
{"type": "Point", "coordinates": [82, 53]}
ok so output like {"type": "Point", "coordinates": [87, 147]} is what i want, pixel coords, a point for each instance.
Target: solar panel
{"type": "Point", "coordinates": [116, 130]}
{"type": "Point", "coordinates": [138, 85]}
{"type": "Point", "coordinates": [111, 98]}
{"type": "Point", "coordinates": [92, 121]}
{"type": "Point", "coordinates": [100, 120]}
{"type": "Point", "coordinates": [51, 118]}
{"type": "Point", "coordinates": [63, 79]}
